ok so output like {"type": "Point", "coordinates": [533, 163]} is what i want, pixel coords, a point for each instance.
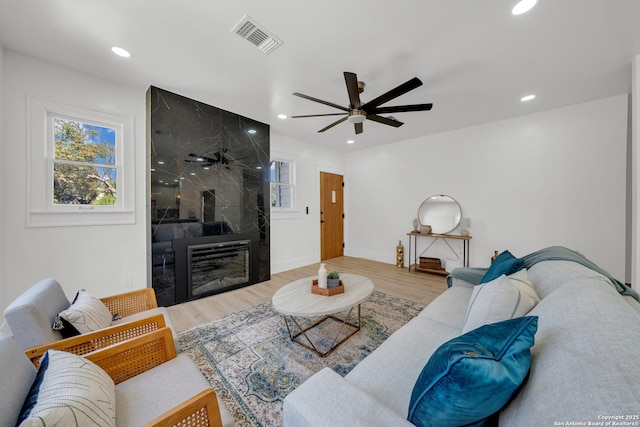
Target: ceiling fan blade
{"type": "Point", "coordinates": [333, 124]}
{"type": "Point", "coordinates": [384, 120]}
{"type": "Point", "coordinates": [330, 104]}
{"type": "Point", "coordinates": [352, 88]}
{"type": "Point", "coordinates": [318, 115]}
{"type": "Point", "coordinates": [402, 108]}
{"type": "Point", "coordinates": [393, 93]}
{"type": "Point", "coordinates": [358, 127]}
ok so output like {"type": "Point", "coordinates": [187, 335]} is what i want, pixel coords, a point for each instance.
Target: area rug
{"type": "Point", "coordinates": [250, 361]}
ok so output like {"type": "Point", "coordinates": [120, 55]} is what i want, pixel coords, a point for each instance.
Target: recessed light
{"type": "Point", "coordinates": [121, 52]}
{"type": "Point", "coordinates": [523, 6]}
{"type": "Point", "coordinates": [282, 116]}
{"type": "Point", "coordinates": [161, 162]}
{"type": "Point", "coordinates": [527, 98]}
{"type": "Point", "coordinates": [252, 131]}
{"type": "Point", "coordinates": [192, 173]}
{"type": "Point", "coordinates": [258, 167]}
{"type": "Point", "coordinates": [351, 141]}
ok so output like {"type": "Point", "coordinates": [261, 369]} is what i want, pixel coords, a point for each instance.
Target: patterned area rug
{"type": "Point", "coordinates": [252, 364]}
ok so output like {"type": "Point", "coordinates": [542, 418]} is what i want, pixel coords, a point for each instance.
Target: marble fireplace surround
{"type": "Point", "coordinates": [209, 171]}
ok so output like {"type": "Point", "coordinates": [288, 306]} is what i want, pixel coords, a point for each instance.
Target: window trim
{"type": "Point", "coordinates": [294, 193]}
{"type": "Point", "coordinates": [41, 211]}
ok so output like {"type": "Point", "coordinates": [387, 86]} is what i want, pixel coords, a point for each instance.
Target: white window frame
{"type": "Point", "coordinates": [294, 198]}
{"type": "Point", "coordinates": [41, 211]}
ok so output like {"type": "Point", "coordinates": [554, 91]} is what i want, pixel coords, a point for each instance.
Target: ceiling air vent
{"type": "Point", "coordinates": [250, 30]}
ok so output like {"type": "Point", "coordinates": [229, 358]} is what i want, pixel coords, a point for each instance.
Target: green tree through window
{"type": "Point", "coordinates": [84, 165]}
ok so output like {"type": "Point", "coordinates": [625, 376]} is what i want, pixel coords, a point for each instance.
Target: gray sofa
{"type": "Point", "coordinates": [584, 363]}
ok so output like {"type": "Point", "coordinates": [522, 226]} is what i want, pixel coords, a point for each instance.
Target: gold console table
{"type": "Point", "coordinates": [436, 237]}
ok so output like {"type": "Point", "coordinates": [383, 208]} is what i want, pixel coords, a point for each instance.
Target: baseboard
{"type": "Point", "coordinates": [374, 256]}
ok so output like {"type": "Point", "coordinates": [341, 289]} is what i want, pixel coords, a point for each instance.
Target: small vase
{"type": "Point", "coordinates": [322, 277]}
{"type": "Point", "coordinates": [333, 283]}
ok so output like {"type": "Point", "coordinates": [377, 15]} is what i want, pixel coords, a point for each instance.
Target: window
{"type": "Point", "coordinates": [84, 163]}
{"type": "Point", "coordinates": [80, 166]}
{"type": "Point", "coordinates": [282, 189]}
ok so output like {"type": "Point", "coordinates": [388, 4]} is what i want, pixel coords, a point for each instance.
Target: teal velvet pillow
{"type": "Point", "coordinates": [505, 263]}
{"type": "Point", "coordinates": [471, 377]}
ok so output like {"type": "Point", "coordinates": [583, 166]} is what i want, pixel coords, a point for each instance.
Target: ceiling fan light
{"type": "Point", "coordinates": [357, 116]}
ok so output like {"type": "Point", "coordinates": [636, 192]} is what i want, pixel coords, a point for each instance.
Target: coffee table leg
{"type": "Point", "coordinates": [311, 346]}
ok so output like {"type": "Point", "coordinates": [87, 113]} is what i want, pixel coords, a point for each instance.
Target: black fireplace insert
{"type": "Point", "coordinates": [208, 265]}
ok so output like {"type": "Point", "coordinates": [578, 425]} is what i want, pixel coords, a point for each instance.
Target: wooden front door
{"type": "Point", "coordinates": [331, 216]}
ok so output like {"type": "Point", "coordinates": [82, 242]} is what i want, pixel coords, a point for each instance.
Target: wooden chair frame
{"type": "Point", "coordinates": [132, 302]}
{"type": "Point", "coordinates": [126, 359]}
{"type": "Point", "coordinates": [87, 343]}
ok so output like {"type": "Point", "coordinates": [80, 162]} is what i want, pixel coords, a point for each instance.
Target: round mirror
{"type": "Point", "coordinates": [441, 212]}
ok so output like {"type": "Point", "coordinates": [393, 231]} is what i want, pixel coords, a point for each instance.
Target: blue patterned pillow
{"type": "Point", "coordinates": [473, 376]}
{"type": "Point", "coordinates": [506, 264]}
{"type": "Point", "coordinates": [69, 390]}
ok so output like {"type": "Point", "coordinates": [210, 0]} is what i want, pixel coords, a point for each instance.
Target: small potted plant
{"type": "Point", "coordinates": [333, 279]}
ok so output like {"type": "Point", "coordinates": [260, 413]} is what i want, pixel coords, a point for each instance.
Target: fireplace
{"type": "Point", "coordinates": [214, 267]}
{"type": "Point", "coordinates": [209, 180]}
{"type": "Point", "coordinates": [208, 265]}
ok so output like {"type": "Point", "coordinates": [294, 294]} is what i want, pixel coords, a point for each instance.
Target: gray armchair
{"type": "Point", "coordinates": [31, 315]}
{"type": "Point", "coordinates": [153, 386]}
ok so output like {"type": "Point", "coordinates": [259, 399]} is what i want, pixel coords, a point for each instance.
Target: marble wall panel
{"type": "Point", "coordinates": [208, 166]}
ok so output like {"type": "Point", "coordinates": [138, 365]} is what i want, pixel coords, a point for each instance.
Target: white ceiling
{"type": "Point", "coordinates": [475, 59]}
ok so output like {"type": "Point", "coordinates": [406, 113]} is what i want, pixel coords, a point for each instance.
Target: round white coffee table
{"type": "Point", "coordinates": [296, 300]}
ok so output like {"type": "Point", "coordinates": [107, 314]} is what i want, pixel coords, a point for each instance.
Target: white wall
{"type": "Point", "coordinates": [3, 165]}
{"type": "Point", "coordinates": [295, 236]}
{"type": "Point", "coordinates": [551, 178]}
{"type": "Point", "coordinates": [91, 257]}
{"type": "Point", "coordinates": [635, 161]}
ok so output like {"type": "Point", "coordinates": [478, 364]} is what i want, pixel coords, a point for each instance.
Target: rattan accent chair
{"type": "Point", "coordinates": [84, 344]}
{"type": "Point", "coordinates": [31, 315]}
{"type": "Point", "coordinates": [154, 387]}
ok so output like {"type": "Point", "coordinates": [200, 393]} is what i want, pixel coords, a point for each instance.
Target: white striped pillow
{"type": "Point", "coordinates": [70, 390]}
{"type": "Point", "coordinates": [86, 314]}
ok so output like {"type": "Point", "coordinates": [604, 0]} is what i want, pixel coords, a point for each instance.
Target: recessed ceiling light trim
{"type": "Point", "coordinates": [523, 6]}
{"type": "Point", "coordinates": [527, 98]}
{"type": "Point", "coordinates": [121, 52]}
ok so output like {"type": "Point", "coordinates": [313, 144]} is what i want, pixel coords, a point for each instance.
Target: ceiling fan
{"type": "Point", "coordinates": [357, 112]}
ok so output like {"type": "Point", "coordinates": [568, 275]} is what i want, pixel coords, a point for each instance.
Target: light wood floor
{"type": "Point", "coordinates": [415, 286]}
